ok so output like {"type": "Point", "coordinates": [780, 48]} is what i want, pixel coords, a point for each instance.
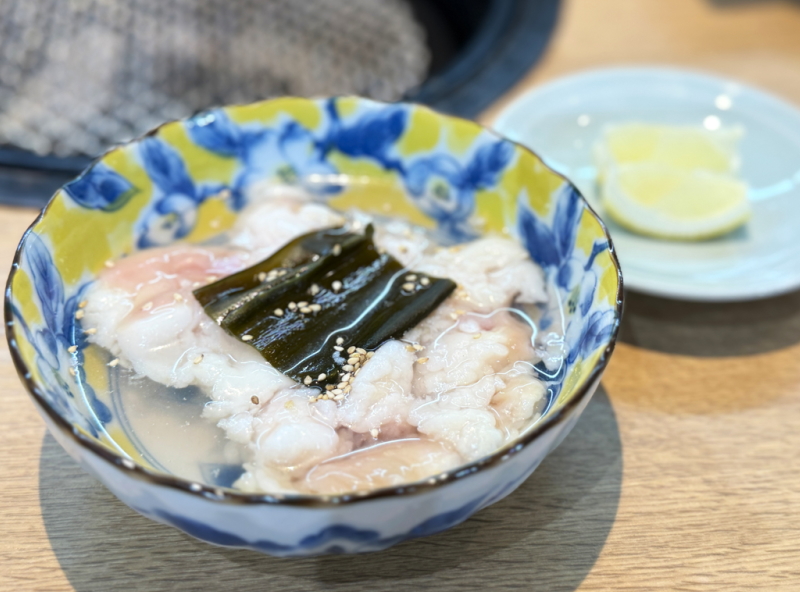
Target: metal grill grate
{"type": "Point", "coordinates": [79, 75]}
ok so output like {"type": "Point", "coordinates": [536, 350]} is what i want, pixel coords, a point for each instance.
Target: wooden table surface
{"type": "Point", "coordinates": [683, 473]}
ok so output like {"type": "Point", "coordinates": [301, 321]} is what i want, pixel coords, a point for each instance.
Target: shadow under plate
{"type": "Point", "coordinates": [711, 329]}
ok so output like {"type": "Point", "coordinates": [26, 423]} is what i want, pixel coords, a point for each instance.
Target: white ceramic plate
{"type": "Point", "coordinates": [561, 120]}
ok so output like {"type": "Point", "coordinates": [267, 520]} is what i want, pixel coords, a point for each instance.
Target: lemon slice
{"type": "Point", "coordinates": [682, 147]}
{"type": "Point", "coordinates": [670, 202]}
{"type": "Point", "coordinates": [672, 182]}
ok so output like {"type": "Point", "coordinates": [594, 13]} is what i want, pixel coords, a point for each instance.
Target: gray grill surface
{"type": "Point", "coordinates": [77, 76]}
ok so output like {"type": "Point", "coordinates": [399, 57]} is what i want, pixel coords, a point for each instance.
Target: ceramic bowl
{"type": "Point", "coordinates": [187, 180]}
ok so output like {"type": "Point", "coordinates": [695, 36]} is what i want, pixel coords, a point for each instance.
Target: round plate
{"type": "Point", "coordinates": [562, 120]}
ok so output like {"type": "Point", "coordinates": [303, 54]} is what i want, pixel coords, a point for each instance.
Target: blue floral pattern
{"type": "Point", "coordinates": [334, 539]}
{"type": "Point", "coordinates": [552, 246]}
{"type": "Point", "coordinates": [442, 186]}
{"type": "Point", "coordinates": [53, 338]}
{"type": "Point", "coordinates": [172, 212]}
{"type": "Point", "coordinates": [100, 188]}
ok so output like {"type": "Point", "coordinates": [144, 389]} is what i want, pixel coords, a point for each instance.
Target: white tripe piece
{"type": "Point", "coordinates": [381, 395]}
{"type": "Point", "coordinates": [471, 360]}
{"type": "Point", "coordinates": [273, 222]}
{"type": "Point", "coordinates": [145, 314]}
{"type": "Point", "coordinates": [404, 242]}
{"type": "Point", "coordinates": [468, 385]}
{"type": "Point", "coordinates": [492, 272]}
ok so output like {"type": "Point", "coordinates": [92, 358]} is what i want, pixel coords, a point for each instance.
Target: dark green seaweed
{"type": "Point", "coordinates": [220, 297]}
{"type": "Point", "coordinates": [370, 308]}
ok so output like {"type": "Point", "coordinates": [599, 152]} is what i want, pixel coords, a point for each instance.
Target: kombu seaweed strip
{"type": "Point", "coordinates": [220, 297]}
{"type": "Point", "coordinates": [325, 285]}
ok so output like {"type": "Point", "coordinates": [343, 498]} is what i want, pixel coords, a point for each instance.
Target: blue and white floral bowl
{"type": "Point", "coordinates": [187, 180]}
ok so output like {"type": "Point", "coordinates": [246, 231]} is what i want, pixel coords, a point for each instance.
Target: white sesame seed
{"type": "Point", "coordinates": [476, 336]}
{"type": "Point", "coordinates": [339, 340]}
{"type": "Point", "coordinates": [374, 432]}
{"type": "Point", "coordinates": [453, 316]}
{"type": "Point", "coordinates": [302, 304]}
{"type": "Point", "coordinates": [361, 351]}
{"type": "Point", "coordinates": [337, 250]}
{"type": "Point", "coordinates": [83, 303]}
{"type": "Point", "coordinates": [424, 281]}
{"type": "Point", "coordinates": [72, 371]}
{"type": "Point", "coordinates": [307, 380]}
{"type": "Point", "coordinates": [336, 286]}
{"type": "Point", "coordinates": [322, 377]}
{"type": "Point", "coordinates": [314, 289]}
{"type": "Point", "coordinates": [352, 360]}
{"type": "Point", "coordinates": [147, 306]}
{"type": "Point", "coordinates": [422, 360]}
{"type": "Point", "coordinates": [198, 359]}
{"type": "Point", "coordinates": [305, 309]}
{"type": "Point", "coordinates": [328, 387]}
{"type": "Point", "coordinates": [79, 314]}
{"type": "Point", "coordinates": [341, 385]}
{"type": "Point", "coordinates": [338, 348]}
{"type": "Point", "coordinates": [315, 307]}
{"type": "Point", "coordinates": [348, 368]}
{"type": "Point", "coordinates": [262, 276]}
{"type": "Point", "coordinates": [292, 306]}
{"type": "Point", "coordinates": [410, 348]}
{"type": "Point", "coordinates": [315, 258]}
{"type": "Point", "coordinates": [370, 354]}
{"type": "Point", "coordinates": [211, 278]}
{"type": "Point", "coordinates": [72, 349]}
{"type": "Point", "coordinates": [347, 389]}
{"type": "Point", "coordinates": [408, 287]}
{"type": "Point", "coordinates": [411, 277]}
{"type": "Point", "coordinates": [113, 362]}
{"type": "Point", "coordinates": [278, 312]}
{"type": "Point", "coordinates": [346, 377]}
{"type": "Point", "coordinates": [91, 331]}
{"type": "Point", "coordinates": [351, 349]}
{"type": "Point", "coordinates": [247, 338]}
{"type": "Point", "coordinates": [337, 391]}
{"type": "Point", "coordinates": [338, 397]}
{"type": "Point", "coordinates": [177, 297]}
{"type": "Point", "coordinates": [418, 347]}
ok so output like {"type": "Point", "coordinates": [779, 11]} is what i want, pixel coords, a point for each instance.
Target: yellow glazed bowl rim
{"type": "Point", "coordinates": [229, 496]}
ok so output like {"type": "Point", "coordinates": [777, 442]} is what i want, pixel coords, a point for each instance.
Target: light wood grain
{"type": "Point", "coordinates": [683, 474]}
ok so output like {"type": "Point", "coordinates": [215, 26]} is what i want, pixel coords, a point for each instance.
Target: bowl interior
{"type": "Point", "coordinates": [187, 181]}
